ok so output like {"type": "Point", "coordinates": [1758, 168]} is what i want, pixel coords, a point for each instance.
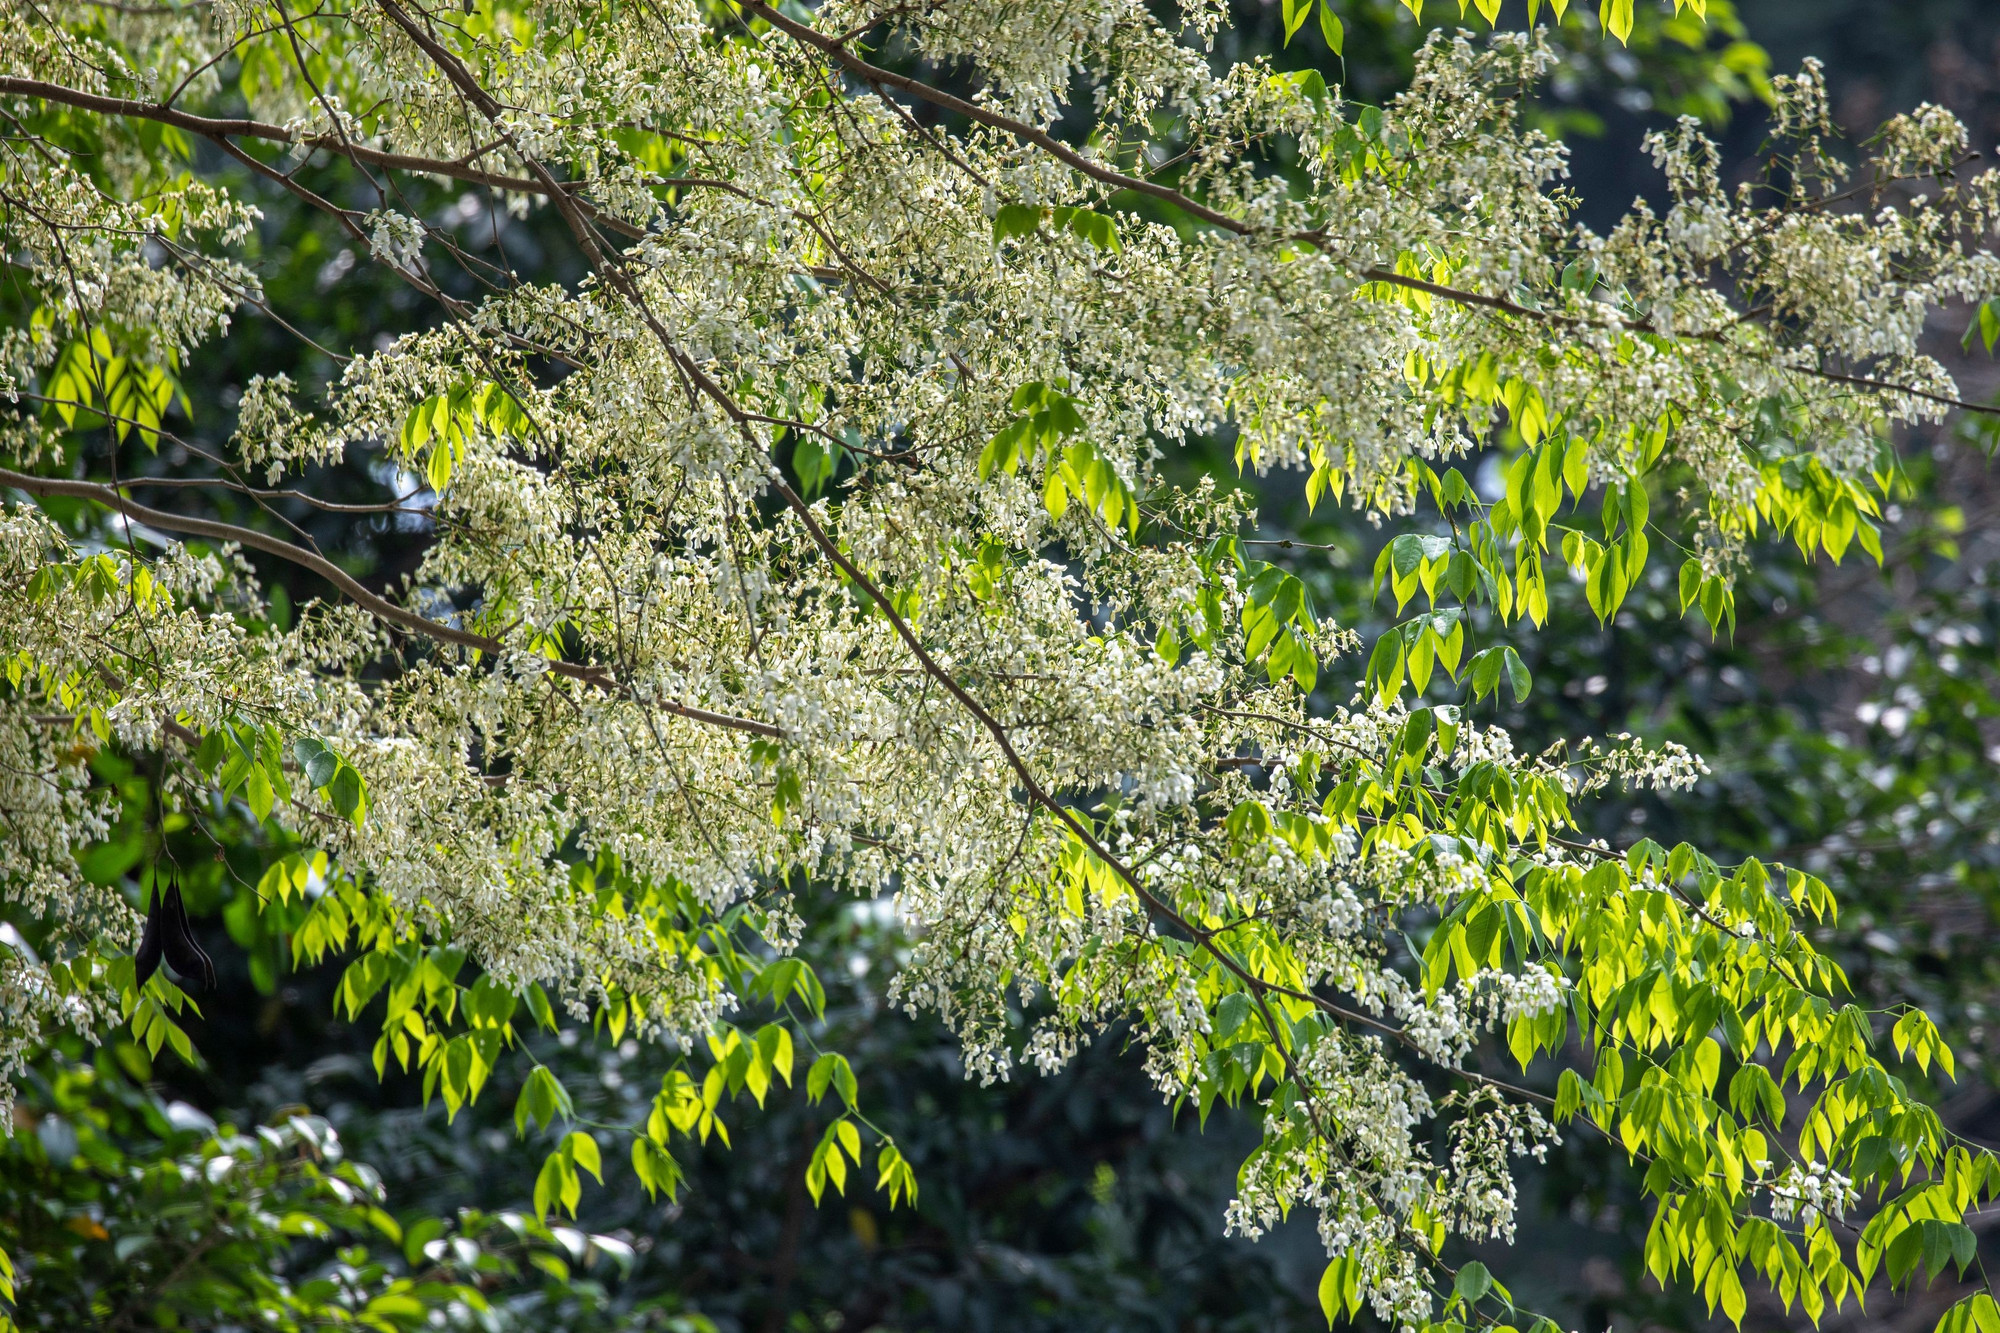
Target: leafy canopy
{"type": "Point", "coordinates": [816, 541]}
{"type": "Point", "coordinates": [136, 1208]}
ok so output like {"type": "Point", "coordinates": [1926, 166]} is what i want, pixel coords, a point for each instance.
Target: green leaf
{"type": "Point", "coordinates": [1340, 1288]}
{"type": "Point", "coordinates": [1485, 673]}
{"type": "Point", "coordinates": [1295, 13]}
{"type": "Point", "coordinates": [1729, 1291]}
{"type": "Point", "coordinates": [582, 1149]}
{"type": "Point", "coordinates": [349, 793]}
{"type": "Point", "coordinates": [1016, 220]}
{"type": "Point", "coordinates": [656, 1168]}
{"type": "Point", "coordinates": [316, 759]}
{"type": "Point", "coordinates": [1229, 1016]}
{"type": "Point", "coordinates": [542, 1099]}
{"type": "Point", "coordinates": [421, 1233]}
{"type": "Point", "coordinates": [1933, 1244]}
{"type": "Point", "coordinates": [1616, 16]}
{"type": "Point", "coordinates": [831, 1070]}
{"type": "Point", "coordinates": [258, 793]}
{"type": "Point", "coordinates": [1101, 233]}
{"type": "Point", "coordinates": [1417, 730]}
{"type": "Point", "coordinates": [1406, 554]}
{"type": "Point", "coordinates": [1305, 662]}
{"type": "Point", "coordinates": [1385, 665]}
{"type": "Point", "coordinates": [1330, 28]}
{"type": "Point", "coordinates": [555, 1183]}
{"type": "Point", "coordinates": [1517, 673]}
{"type": "Point", "coordinates": [774, 1049]}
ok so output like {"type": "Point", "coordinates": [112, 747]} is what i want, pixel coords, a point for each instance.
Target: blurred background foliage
{"type": "Point", "coordinates": [274, 1181]}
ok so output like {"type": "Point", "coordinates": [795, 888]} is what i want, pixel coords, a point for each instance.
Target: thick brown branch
{"type": "Point", "coordinates": [210, 127]}
{"type": "Point", "coordinates": [1886, 386]}
{"type": "Point", "coordinates": [222, 130]}
{"type": "Point", "coordinates": [379, 607]}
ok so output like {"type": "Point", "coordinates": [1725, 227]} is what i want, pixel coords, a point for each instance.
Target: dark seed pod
{"type": "Point", "coordinates": [183, 954]}
{"type": "Point", "coordinates": [147, 960]}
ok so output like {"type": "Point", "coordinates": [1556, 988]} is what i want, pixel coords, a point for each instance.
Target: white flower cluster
{"type": "Point", "coordinates": [1633, 764]}
{"type": "Point", "coordinates": [1813, 1193]}
{"type": "Point", "coordinates": [395, 238]}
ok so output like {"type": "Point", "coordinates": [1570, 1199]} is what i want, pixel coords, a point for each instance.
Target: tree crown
{"type": "Point", "coordinates": [817, 538]}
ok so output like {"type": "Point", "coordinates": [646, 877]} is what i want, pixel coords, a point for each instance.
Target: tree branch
{"type": "Point", "coordinates": [379, 607]}
{"type": "Point", "coordinates": [221, 130]}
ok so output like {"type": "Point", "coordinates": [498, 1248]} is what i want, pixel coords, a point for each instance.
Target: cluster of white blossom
{"type": "Point", "coordinates": [1625, 759]}
{"type": "Point", "coordinates": [1486, 1137]}
{"type": "Point", "coordinates": [1812, 1192]}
